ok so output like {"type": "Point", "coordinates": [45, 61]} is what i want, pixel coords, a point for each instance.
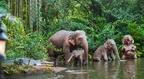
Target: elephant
{"type": "Point", "coordinates": [127, 39]}
{"type": "Point", "coordinates": [128, 52]}
{"type": "Point", "coordinates": [68, 41]}
{"type": "Point", "coordinates": [78, 55]}
{"type": "Point", "coordinates": [106, 51]}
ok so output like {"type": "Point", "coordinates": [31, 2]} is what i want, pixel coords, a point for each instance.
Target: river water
{"type": "Point", "coordinates": [129, 69]}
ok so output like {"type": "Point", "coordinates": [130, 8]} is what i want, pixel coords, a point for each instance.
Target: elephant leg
{"type": "Point", "coordinates": [66, 59]}
{"type": "Point", "coordinates": [51, 58]}
{"type": "Point", "coordinates": [109, 57]}
{"type": "Point", "coordinates": [105, 57]}
{"type": "Point", "coordinates": [55, 58]}
{"type": "Point", "coordinates": [75, 61]}
{"type": "Point", "coordinates": [81, 60]}
{"type": "Point", "coordinates": [55, 61]}
{"type": "Point", "coordinates": [66, 56]}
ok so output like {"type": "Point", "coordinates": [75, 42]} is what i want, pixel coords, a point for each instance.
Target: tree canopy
{"type": "Point", "coordinates": [36, 20]}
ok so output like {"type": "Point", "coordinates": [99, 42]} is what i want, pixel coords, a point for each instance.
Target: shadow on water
{"type": "Point", "coordinates": [129, 69]}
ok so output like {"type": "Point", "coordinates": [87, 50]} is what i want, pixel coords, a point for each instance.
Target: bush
{"type": "Point", "coordinates": [117, 19]}
{"type": "Point", "coordinates": [20, 44]}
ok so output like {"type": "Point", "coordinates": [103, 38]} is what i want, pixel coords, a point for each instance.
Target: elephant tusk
{"type": "Point", "coordinates": [70, 58]}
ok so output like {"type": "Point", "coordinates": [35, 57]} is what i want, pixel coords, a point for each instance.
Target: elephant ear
{"type": "Point", "coordinates": [80, 38]}
{"type": "Point", "coordinates": [106, 45]}
{"type": "Point", "coordinates": [71, 39]}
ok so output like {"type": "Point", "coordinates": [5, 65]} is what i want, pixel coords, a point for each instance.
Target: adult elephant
{"type": "Point", "coordinates": [68, 41]}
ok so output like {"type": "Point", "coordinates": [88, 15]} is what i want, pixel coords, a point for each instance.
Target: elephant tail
{"type": "Point", "coordinates": [70, 58]}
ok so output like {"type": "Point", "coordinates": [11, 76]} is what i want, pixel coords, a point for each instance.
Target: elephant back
{"type": "Point", "coordinates": [98, 52]}
{"type": "Point", "coordinates": [59, 37]}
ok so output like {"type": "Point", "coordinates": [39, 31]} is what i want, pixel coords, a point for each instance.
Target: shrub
{"type": "Point", "coordinates": [20, 44]}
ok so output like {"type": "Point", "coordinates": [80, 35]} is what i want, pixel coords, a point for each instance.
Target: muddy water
{"type": "Point", "coordinates": [130, 69]}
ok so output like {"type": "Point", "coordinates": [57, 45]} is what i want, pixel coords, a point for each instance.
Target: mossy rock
{"type": "Point", "coordinates": [13, 69]}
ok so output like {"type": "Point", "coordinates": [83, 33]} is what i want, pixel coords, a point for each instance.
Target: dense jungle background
{"type": "Point", "coordinates": [30, 23]}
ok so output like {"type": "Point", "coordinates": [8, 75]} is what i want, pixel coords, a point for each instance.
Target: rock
{"type": "Point", "coordinates": [58, 69]}
{"type": "Point", "coordinates": [122, 60]}
{"type": "Point", "coordinates": [22, 61]}
{"type": "Point", "coordinates": [37, 64]}
{"type": "Point", "coordinates": [26, 61]}
{"type": "Point", "coordinates": [77, 71]}
{"type": "Point", "coordinates": [28, 66]}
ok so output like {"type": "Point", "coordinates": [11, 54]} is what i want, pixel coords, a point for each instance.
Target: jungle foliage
{"type": "Point", "coordinates": [100, 19]}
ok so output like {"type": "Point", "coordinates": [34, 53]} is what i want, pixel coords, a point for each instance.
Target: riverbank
{"type": "Point", "coordinates": [25, 66]}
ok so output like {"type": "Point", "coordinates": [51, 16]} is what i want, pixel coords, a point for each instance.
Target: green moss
{"type": "Point", "coordinates": [12, 69]}
{"type": "Point", "coordinates": [48, 68]}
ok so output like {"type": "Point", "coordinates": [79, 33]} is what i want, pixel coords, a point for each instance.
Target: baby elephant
{"type": "Point", "coordinates": [128, 52]}
{"type": "Point", "coordinates": [78, 56]}
{"type": "Point", "coordinates": [106, 51]}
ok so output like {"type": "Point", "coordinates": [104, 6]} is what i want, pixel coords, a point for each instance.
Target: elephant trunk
{"type": "Point", "coordinates": [116, 52]}
{"type": "Point", "coordinates": [85, 47]}
{"type": "Point", "coordinates": [70, 58]}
